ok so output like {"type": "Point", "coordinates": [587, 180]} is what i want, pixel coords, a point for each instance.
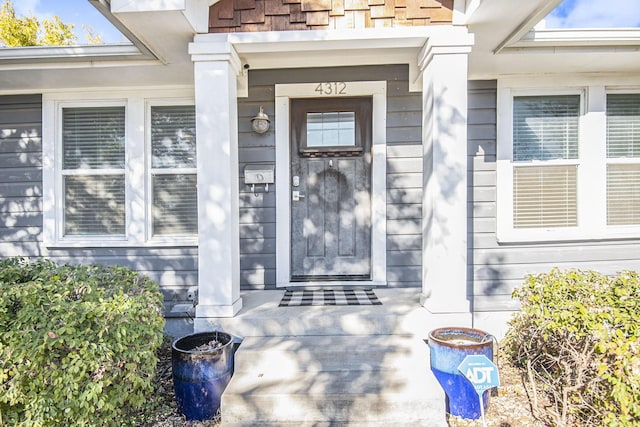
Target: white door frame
{"type": "Point", "coordinates": [284, 92]}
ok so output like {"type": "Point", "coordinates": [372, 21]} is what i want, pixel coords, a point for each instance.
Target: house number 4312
{"type": "Point", "coordinates": [331, 88]}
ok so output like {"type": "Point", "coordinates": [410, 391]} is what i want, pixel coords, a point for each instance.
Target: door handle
{"type": "Point", "coordinates": [296, 196]}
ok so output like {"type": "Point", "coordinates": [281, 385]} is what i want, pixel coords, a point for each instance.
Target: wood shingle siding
{"type": "Point", "coordinates": [285, 15]}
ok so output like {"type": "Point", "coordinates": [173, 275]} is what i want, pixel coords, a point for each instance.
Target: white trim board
{"type": "Point", "coordinates": [336, 48]}
{"type": "Point", "coordinates": [284, 93]}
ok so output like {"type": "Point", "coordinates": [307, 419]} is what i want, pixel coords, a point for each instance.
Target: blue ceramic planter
{"type": "Point", "coordinates": [200, 377]}
{"type": "Point", "coordinates": [448, 348]}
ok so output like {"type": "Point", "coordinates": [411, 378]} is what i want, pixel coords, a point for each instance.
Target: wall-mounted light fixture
{"type": "Point", "coordinates": [260, 122]}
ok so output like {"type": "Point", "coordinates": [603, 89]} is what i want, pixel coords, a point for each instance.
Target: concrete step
{"type": "Point", "coordinates": [328, 380]}
{"type": "Point", "coordinates": [323, 353]}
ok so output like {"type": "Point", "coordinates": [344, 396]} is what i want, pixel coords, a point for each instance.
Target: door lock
{"type": "Point", "coordinates": [296, 196]}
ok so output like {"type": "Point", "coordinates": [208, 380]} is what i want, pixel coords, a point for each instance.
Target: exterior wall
{"type": "Point", "coordinates": [285, 15]}
{"type": "Point", "coordinates": [21, 230]}
{"type": "Point", "coordinates": [404, 172]}
{"type": "Point", "coordinates": [21, 175]}
{"type": "Point", "coordinates": [496, 269]}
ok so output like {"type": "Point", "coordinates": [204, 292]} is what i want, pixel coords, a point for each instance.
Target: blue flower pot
{"type": "Point", "coordinates": [200, 376]}
{"type": "Point", "coordinates": [448, 348]}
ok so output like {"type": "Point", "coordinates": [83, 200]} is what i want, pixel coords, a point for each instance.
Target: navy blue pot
{"type": "Point", "coordinates": [200, 377]}
{"type": "Point", "coordinates": [448, 348]}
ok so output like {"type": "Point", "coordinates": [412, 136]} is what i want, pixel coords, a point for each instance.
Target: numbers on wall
{"type": "Point", "coordinates": [331, 88]}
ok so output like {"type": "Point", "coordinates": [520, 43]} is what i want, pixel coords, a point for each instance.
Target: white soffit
{"type": "Point", "coordinates": [578, 37]}
{"type": "Point", "coordinates": [507, 43]}
{"type": "Point", "coordinates": [527, 36]}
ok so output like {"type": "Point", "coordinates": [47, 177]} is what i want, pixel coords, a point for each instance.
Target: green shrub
{"type": "Point", "coordinates": [578, 338]}
{"type": "Point", "coordinates": [77, 343]}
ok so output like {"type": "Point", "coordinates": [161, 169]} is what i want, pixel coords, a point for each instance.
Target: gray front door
{"type": "Point", "coordinates": [331, 189]}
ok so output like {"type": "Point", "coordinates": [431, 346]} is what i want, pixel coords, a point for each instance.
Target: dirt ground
{"type": "Point", "coordinates": [508, 407]}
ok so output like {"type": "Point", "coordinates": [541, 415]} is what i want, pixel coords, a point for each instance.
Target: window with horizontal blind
{"type": "Point", "coordinates": [623, 159]}
{"type": "Point", "coordinates": [173, 170]}
{"type": "Point", "coordinates": [121, 169]}
{"type": "Point", "coordinates": [545, 153]}
{"type": "Point", "coordinates": [545, 196]}
{"type": "Point", "coordinates": [567, 161]}
{"type": "Point", "coordinates": [93, 170]}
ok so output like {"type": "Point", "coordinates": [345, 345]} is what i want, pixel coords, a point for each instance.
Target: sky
{"type": "Point", "coordinates": [595, 14]}
{"type": "Point", "coordinates": [77, 12]}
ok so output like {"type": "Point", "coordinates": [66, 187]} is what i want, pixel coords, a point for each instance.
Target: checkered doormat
{"type": "Point", "coordinates": [329, 297]}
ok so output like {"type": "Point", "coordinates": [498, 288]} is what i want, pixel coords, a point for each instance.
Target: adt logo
{"type": "Point", "coordinates": [480, 371]}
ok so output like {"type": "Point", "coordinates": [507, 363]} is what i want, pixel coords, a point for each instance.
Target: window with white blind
{"type": "Point", "coordinates": [568, 162]}
{"type": "Point", "coordinates": [120, 171]}
{"type": "Point", "coordinates": [623, 159]}
{"type": "Point", "coordinates": [174, 209]}
{"type": "Point", "coordinates": [545, 154]}
{"type": "Point", "coordinates": [93, 174]}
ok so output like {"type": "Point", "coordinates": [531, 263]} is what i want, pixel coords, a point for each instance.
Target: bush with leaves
{"type": "Point", "coordinates": [77, 343]}
{"type": "Point", "coordinates": [578, 338]}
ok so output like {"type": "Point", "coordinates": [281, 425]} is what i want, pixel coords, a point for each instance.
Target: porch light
{"type": "Point", "coordinates": [260, 122]}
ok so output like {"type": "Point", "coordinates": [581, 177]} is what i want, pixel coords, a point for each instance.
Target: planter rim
{"type": "Point", "coordinates": [481, 337]}
{"type": "Point", "coordinates": [210, 335]}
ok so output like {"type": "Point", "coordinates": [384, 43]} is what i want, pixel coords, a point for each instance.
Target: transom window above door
{"type": "Point", "coordinates": [330, 127]}
{"type": "Point", "coordinates": [337, 128]}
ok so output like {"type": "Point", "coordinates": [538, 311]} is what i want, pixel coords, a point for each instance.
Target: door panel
{"type": "Point", "coordinates": [331, 217]}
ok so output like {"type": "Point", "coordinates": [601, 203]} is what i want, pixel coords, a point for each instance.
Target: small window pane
{"type": "Point", "coordinates": [173, 137]}
{"type": "Point", "coordinates": [93, 138]}
{"type": "Point", "coordinates": [623, 194]}
{"type": "Point", "coordinates": [94, 205]}
{"type": "Point", "coordinates": [333, 129]}
{"type": "Point", "coordinates": [623, 125]}
{"type": "Point", "coordinates": [544, 196]}
{"type": "Point", "coordinates": [175, 210]}
{"type": "Point", "coordinates": [545, 127]}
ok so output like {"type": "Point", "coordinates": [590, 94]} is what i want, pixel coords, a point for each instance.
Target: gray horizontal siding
{"type": "Point", "coordinates": [21, 175]}
{"type": "Point", "coordinates": [404, 172]}
{"type": "Point", "coordinates": [21, 230]}
{"type": "Point", "coordinates": [496, 269]}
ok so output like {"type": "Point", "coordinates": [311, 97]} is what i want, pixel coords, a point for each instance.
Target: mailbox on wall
{"type": "Point", "coordinates": [259, 175]}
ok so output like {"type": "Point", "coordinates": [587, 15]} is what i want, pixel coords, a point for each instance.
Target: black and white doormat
{"type": "Point", "coordinates": [329, 297]}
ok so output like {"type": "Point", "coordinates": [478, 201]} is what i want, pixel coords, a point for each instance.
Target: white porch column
{"type": "Point", "coordinates": [444, 137]}
{"type": "Point", "coordinates": [216, 66]}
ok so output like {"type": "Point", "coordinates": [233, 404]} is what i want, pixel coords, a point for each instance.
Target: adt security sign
{"type": "Point", "coordinates": [481, 371]}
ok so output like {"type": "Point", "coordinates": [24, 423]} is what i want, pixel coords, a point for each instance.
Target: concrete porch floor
{"type": "Point", "coordinates": [400, 313]}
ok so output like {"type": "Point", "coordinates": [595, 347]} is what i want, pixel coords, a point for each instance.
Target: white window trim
{"type": "Point", "coordinates": [137, 186]}
{"type": "Point", "coordinates": [592, 161]}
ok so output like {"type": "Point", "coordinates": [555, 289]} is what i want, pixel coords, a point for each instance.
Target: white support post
{"type": "Point", "coordinates": [216, 67]}
{"type": "Point", "coordinates": [444, 224]}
